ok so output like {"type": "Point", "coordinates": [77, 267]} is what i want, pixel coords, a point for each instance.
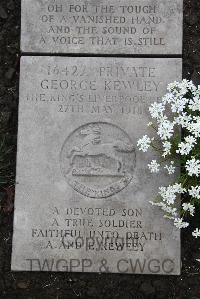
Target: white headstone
{"type": "Point", "coordinates": [83, 188]}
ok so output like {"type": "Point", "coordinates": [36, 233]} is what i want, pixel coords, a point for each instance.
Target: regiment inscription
{"type": "Point", "coordinates": [83, 190]}
{"type": "Point", "coordinates": [104, 27]}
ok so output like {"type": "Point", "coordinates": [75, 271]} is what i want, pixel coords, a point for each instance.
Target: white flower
{"type": "Point", "coordinates": [172, 86]}
{"type": "Point", "coordinates": [165, 129]}
{"type": "Point", "coordinates": [170, 168]}
{"type": "Point", "coordinates": [144, 143]}
{"type": "Point", "coordinates": [154, 166]}
{"type": "Point", "coordinates": [179, 223]}
{"type": "Point", "coordinates": [172, 114]}
{"type": "Point", "coordinates": [181, 88]}
{"type": "Point", "coordinates": [179, 104]}
{"type": "Point", "coordinates": [186, 147]}
{"type": "Point", "coordinates": [178, 188]}
{"type": "Point", "coordinates": [166, 148]}
{"type": "Point", "coordinates": [194, 127]}
{"type": "Point", "coordinates": [196, 233]}
{"type": "Point", "coordinates": [193, 167]}
{"type": "Point", "coordinates": [191, 140]}
{"type": "Point", "coordinates": [156, 110]}
{"type": "Point", "coordinates": [168, 98]}
{"type": "Point", "coordinates": [189, 207]}
{"type": "Point", "coordinates": [149, 124]}
{"type": "Point", "coordinates": [190, 85]}
{"type": "Point", "coordinates": [194, 104]}
{"type": "Point", "coordinates": [168, 194]}
{"type": "Point", "coordinates": [170, 210]}
{"type": "Point", "coordinates": [194, 192]}
{"type": "Point", "coordinates": [183, 120]}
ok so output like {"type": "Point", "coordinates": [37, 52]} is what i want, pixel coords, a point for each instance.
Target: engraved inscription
{"type": "Point", "coordinates": [121, 88]}
{"type": "Point", "coordinates": [98, 159]}
{"type": "Point", "coordinates": [107, 26]}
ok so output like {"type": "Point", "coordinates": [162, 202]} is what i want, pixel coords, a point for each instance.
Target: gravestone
{"type": "Point", "coordinates": [83, 188]}
{"type": "Point", "coordinates": [103, 27]}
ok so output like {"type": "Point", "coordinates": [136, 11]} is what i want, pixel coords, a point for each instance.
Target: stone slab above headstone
{"type": "Point", "coordinates": [83, 188]}
{"type": "Point", "coordinates": [102, 27]}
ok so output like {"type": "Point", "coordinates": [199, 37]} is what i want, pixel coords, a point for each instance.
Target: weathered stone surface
{"type": "Point", "coordinates": [83, 188]}
{"type": "Point", "coordinates": [104, 27]}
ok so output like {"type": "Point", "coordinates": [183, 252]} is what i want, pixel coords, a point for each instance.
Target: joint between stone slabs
{"type": "Point", "coordinates": [101, 55]}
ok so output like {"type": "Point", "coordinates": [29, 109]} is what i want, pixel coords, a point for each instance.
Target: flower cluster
{"type": "Point", "coordinates": [178, 110]}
